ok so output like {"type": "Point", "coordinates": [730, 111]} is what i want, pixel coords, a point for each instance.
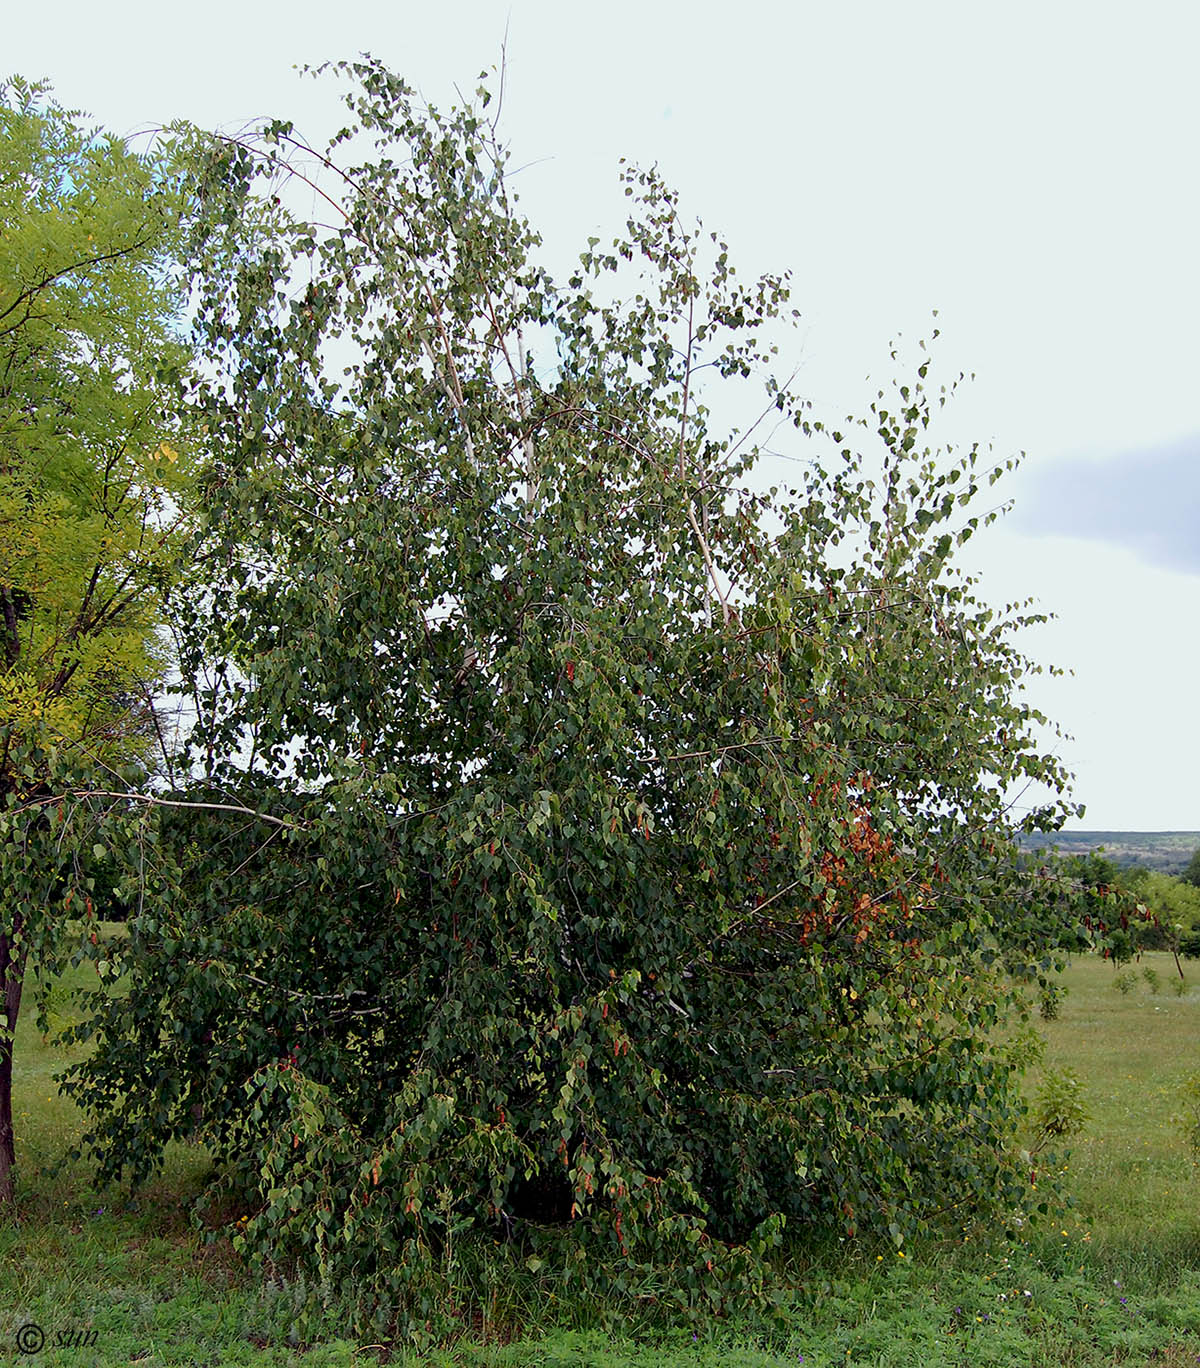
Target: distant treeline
{"type": "Point", "coordinates": [1164, 852]}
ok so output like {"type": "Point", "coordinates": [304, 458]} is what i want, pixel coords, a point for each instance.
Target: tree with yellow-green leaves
{"type": "Point", "coordinates": [92, 464]}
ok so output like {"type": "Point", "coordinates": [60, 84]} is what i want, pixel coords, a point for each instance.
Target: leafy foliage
{"type": "Point", "coordinates": [1173, 903]}
{"type": "Point", "coordinates": [86, 427]}
{"type": "Point", "coordinates": [91, 462]}
{"type": "Point", "coordinates": [1118, 909]}
{"type": "Point", "coordinates": [589, 838]}
{"type": "Point", "coordinates": [1058, 1109]}
{"type": "Point", "coordinates": [1188, 1118]}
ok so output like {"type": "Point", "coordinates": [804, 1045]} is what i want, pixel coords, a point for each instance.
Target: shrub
{"type": "Point", "coordinates": [1058, 1108]}
{"type": "Point", "coordinates": [539, 880]}
{"type": "Point", "coordinates": [1187, 1119]}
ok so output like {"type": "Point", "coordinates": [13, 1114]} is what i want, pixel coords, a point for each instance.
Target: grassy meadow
{"type": "Point", "coordinates": [1113, 1279]}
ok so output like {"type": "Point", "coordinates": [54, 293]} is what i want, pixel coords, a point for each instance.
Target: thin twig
{"type": "Point", "coordinates": [154, 801]}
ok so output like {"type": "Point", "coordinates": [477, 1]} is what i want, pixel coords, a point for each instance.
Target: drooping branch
{"type": "Point", "coordinates": [155, 801]}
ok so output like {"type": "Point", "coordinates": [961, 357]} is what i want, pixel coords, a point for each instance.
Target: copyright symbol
{"type": "Point", "coordinates": [30, 1339]}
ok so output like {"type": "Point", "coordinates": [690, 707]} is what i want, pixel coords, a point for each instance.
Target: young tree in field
{"type": "Point", "coordinates": [90, 458]}
{"type": "Point", "coordinates": [639, 856]}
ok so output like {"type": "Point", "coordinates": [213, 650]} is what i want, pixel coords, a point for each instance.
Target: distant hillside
{"type": "Point", "coordinates": [1165, 851]}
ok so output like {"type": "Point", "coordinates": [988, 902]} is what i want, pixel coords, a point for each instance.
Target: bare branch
{"type": "Point", "coordinates": [154, 801]}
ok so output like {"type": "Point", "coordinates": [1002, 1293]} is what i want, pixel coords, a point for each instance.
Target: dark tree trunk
{"type": "Point", "coordinates": [12, 639]}
{"type": "Point", "coordinates": [12, 973]}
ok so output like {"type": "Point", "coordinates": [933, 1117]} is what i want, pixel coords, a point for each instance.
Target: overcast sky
{"type": "Point", "coordinates": [1028, 170]}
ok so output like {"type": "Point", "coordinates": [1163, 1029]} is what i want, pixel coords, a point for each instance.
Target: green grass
{"type": "Point", "coordinates": [1113, 1280]}
{"type": "Point", "coordinates": [1132, 1172]}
